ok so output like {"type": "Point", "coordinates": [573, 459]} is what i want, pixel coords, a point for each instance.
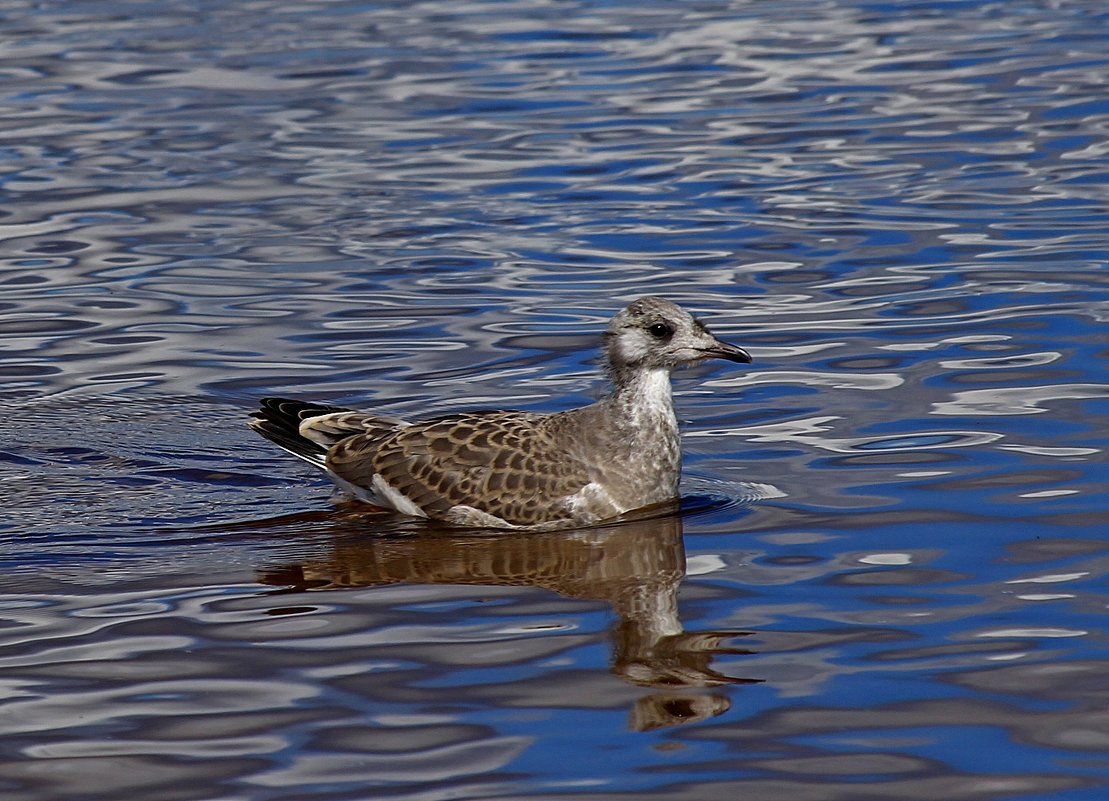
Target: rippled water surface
{"type": "Point", "coordinates": [887, 580]}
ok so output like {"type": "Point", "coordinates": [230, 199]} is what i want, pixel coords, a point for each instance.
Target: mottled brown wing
{"type": "Point", "coordinates": [503, 463]}
{"type": "Point", "coordinates": [328, 429]}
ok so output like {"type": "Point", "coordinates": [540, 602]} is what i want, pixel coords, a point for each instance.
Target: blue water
{"type": "Point", "coordinates": [888, 577]}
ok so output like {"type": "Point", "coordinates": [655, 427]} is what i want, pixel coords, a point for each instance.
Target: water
{"type": "Point", "coordinates": [888, 577]}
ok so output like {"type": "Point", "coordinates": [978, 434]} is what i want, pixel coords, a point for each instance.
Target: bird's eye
{"type": "Point", "coordinates": [661, 331]}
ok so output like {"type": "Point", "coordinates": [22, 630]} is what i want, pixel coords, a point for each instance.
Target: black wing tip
{"type": "Point", "coordinates": [279, 419]}
{"type": "Point", "coordinates": [274, 408]}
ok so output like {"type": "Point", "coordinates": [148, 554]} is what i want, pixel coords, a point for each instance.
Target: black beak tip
{"type": "Point", "coordinates": [732, 353]}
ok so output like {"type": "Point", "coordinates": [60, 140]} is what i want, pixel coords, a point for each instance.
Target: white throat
{"type": "Point", "coordinates": [648, 396]}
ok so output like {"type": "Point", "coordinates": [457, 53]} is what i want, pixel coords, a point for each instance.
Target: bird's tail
{"type": "Point", "coordinates": [279, 419]}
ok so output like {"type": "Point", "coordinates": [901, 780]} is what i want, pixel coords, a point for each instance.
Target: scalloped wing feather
{"type": "Point", "coordinates": [504, 464]}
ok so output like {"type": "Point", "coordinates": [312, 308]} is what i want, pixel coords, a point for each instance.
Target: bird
{"type": "Point", "coordinates": [517, 469]}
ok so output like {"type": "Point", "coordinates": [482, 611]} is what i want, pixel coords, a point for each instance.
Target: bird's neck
{"type": "Point", "coordinates": [642, 445]}
{"type": "Point", "coordinates": [644, 398]}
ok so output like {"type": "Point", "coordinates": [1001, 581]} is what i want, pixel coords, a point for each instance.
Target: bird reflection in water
{"type": "Point", "coordinates": [635, 566]}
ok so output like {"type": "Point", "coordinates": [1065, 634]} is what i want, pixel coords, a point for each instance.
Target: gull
{"type": "Point", "coordinates": [515, 469]}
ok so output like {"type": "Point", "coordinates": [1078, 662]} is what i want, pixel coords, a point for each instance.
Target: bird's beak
{"type": "Point", "coordinates": [724, 350]}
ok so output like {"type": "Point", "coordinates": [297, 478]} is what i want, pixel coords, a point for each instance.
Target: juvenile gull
{"type": "Point", "coordinates": [511, 469]}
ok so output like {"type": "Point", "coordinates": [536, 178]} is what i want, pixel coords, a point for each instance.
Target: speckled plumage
{"type": "Point", "coordinates": [510, 469]}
